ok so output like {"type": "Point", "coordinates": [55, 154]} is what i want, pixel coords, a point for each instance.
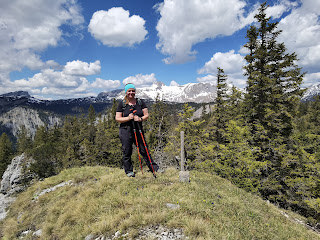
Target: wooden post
{"type": "Point", "coordinates": [183, 175]}
{"type": "Point", "coordinates": [182, 150]}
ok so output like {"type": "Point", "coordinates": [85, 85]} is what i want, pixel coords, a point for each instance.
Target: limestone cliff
{"type": "Point", "coordinates": [30, 118]}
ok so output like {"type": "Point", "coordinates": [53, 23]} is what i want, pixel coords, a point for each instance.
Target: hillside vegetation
{"type": "Point", "coordinates": [100, 201]}
{"type": "Point", "coordinates": [264, 140]}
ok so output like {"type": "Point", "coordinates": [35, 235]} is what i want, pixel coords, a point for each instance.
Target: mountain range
{"type": "Point", "coordinates": [191, 92]}
{"type": "Point", "coordinates": [19, 108]}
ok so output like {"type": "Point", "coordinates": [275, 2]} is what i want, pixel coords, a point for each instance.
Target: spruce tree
{"type": "Point", "coordinates": [24, 140]}
{"type": "Point", "coordinates": [46, 152]}
{"type": "Point", "coordinates": [193, 131]}
{"type": "Point", "coordinates": [221, 104]}
{"type": "Point", "coordinates": [72, 138]}
{"type": "Point", "coordinates": [272, 96]}
{"type": "Point", "coordinates": [108, 140]}
{"type": "Point", "coordinates": [273, 87]}
{"type": "Point", "coordinates": [157, 131]}
{"type": "Point", "coordinates": [6, 152]}
{"type": "Point", "coordinates": [235, 104]}
{"type": "Point", "coordinates": [91, 128]}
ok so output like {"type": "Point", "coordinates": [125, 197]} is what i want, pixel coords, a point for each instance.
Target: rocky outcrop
{"type": "Point", "coordinates": [5, 202]}
{"type": "Point", "coordinates": [14, 180]}
{"type": "Point", "coordinates": [27, 117]}
{"type": "Point", "coordinates": [150, 232]}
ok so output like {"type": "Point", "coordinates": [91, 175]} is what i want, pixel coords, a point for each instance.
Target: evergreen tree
{"type": "Point", "coordinates": [102, 141]}
{"type": "Point", "coordinates": [47, 152]}
{"type": "Point", "coordinates": [193, 131]}
{"type": "Point", "coordinates": [157, 131]}
{"type": "Point", "coordinates": [24, 140]}
{"type": "Point", "coordinates": [107, 140]}
{"type": "Point", "coordinates": [221, 105]}
{"type": "Point", "coordinates": [72, 138]}
{"type": "Point", "coordinates": [235, 105]}
{"type": "Point", "coordinates": [236, 160]}
{"type": "Point", "coordinates": [273, 94]}
{"type": "Point", "coordinates": [273, 89]}
{"type": "Point", "coordinates": [314, 115]}
{"type": "Point", "coordinates": [91, 124]}
{"type": "Point", "coordinates": [6, 152]}
{"type": "Point", "coordinates": [88, 152]}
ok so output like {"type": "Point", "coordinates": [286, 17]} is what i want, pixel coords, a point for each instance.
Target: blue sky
{"type": "Point", "coordinates": [77, 48]}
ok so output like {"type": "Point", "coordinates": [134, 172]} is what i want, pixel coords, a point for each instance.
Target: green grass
{"type": "Point", "coordinates": [104, 200]}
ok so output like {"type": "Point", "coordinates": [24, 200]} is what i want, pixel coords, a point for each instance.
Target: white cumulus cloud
{"type": "Point", "coordinates": [82, 68]}
{"type": "Point", "coordinates": [115, 27]}
{"type": "Point", "coordinates": [68, 82]}
{"type": "Point", "coordinates": [184, 23]}
{"type": "Point", "coordinates": [208, 79]}
{"type": "Point", "coordinates": [232, 64]}
{"type": "Point", "coordinates": [105, 84]}
{"type": "Point", "coordinates": [141, 80]}
{"type": "Point", "coordinates": [301, 34]}
{"type": "Point", "coordinates": [310, 79]}
{"type": "Point", "coordinates": [28, 27]}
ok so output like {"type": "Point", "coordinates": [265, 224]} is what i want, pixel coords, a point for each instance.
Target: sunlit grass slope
{"type": "Point", "coordinates": [101, 201]}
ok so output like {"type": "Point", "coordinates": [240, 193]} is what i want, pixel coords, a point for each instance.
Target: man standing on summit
{"type": "Point", "coordinates": [131, 112]}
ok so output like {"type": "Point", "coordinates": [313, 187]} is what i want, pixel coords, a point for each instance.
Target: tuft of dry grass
{"type": "Point", "coordinates": [102, 201]}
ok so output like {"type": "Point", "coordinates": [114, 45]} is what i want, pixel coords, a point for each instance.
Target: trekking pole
{"type": "Point", "coordinates": [145, 147]}
{"type": "Point", "coordinates": [135, 136]}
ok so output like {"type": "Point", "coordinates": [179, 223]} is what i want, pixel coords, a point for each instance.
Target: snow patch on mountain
{"type": "Point", "coordinates": [312, 91]}
{"type": "Point", "coordinates": [191, 92]}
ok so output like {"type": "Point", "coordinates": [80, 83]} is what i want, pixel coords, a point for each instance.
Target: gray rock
{"type": "Point", "coordinates": [184, 176]}
{"type": "Point", "coordinates": [173, 206]}
{"type": "Point", "coordinates": [14, 179]}
{"type": "Point", "coordinates": [161, 233]}
{"type": "Point", "coordinates": [89, 237]}
{"type": "Point", "coordinates": [5, 202]}
{"type": "Point", "coordinates": [47, 190]}
{"type": "Point", "coordinates": [37, 233]}
{"type": "Point", "coordinates": [27, 117]}
{"type": "Point", "coordinates": [116, 235]}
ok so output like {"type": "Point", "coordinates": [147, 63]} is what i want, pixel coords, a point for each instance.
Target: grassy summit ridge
{"type": "Point", "coordinates": [102, 201]}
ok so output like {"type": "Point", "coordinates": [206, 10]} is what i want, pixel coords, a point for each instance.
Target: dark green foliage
{"type": "Point", "coordinates": [235, 104]}
{"type": "Point", "coordinates": [237, 159]}
{"type": "Point", "coordinates": [193, 131]}
{"type": "Point", "coordinates": [6, 152]}
{"type": "Point", "coordinates": [270, 141]}
{"type": "Point", "coordinates": [157, 130]}
{"type": "Point", "coordinates": [221, 104]}
{"type": "Point", "coordinates": [72, 141]}
{"type": "Point", "coordinates": [47, 152]}
{"type": "Point", "coordinates": [24, 140]}
{"type": "Point", "coordinates": [271, 102]}
{"type": "Point", "coordinates": [273, 89]}
{"type": "Point", "coordinates": [266, 142]}
{"type": "Point", "coordinates": [81, 141]}
{"type": "Point", "coordinates": [107, 139]}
